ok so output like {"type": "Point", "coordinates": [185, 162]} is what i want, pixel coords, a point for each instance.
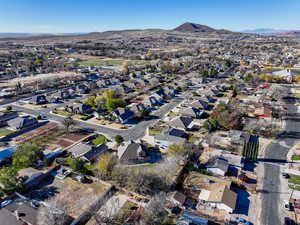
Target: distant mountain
{"type": "Point", "coordinates": [263, 31]}
{"type": "Point", "coordinates": [292, 33]}
{"type": "Point", "coordinates": [193, 27]}
{"type": "Point", "coordinates": [27, 35]}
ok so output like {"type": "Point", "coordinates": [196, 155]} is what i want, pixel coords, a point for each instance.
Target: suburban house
{"type": "Point", "coordinates": [238, 137]}
{"type": "Point", "coordinates": [218, 166]}
{"type": "Point", "coordinates": [218, 196]}
{"type": "Point", "coordinates": [24, 122]}
{"type": "Point", "coordinates": [286, 74]}
{"type": "Point", "coordinates": [169, 137]}
{"type": "Point", "coordinates": [19, 213]}
{"type": "Point", "coordinates": [31, 176]}
{"type": "Point", "coordinates": [78, 108]}
{"type": "Point", "coordinates": [82, 89]}
{"type": "Point", "coordinates": [132, 153]}
{"type": "Point", "coordinates": [6, 116]}
{"type": "Point", "coordinates": [87, 152]}
{"type": "Point", "coordinates": [123, 115]}
{"type": "Point", "coordinates": [38, 100]}
{"type": "Point", "coordinates": [263, 112]}
{"type": "Point", "coordinates": [182, 122]}
{"type": "Point", "coordinates": [151, 101]}
{"type": "Point", "coordinates": [137, 107]}
{"type": "Point", "coordinates": [191, 112]}
{"type": "Point", "coordinates": [201, 104]}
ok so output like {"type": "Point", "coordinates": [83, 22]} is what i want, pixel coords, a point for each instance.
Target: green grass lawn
{"type": "Point", "coordinates": [297, 95]}
{"type": "Point", "coordinates": [294, 179]}
{"type": "Point", "coordinates": [295, 157]}
{"type": "Point", "coordinates": [4, 132]}
{"type": "Point", "coordinates": [295, 187]}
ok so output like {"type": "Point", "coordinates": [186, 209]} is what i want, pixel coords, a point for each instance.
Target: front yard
{"type": "Point", "coordinates": [5, 132]}
{"type": "Point", "coordinates": [294, 182]}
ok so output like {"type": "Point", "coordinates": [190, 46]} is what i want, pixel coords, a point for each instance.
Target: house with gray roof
{"type": "Point", "coordinates": [169, 137]}
{"type": "Point", "coordinates": [6, 116]}
{"type": "Point", "coordinates": [218, 166]}
{"type": "Point", "coordinates": [87, 152]}
{"type": "Point", "coordinates": [192, 112]}
{"type": "Point", "coordinates": [182, 122]}
{"type": "Point", "coordinates": [20, 123]}
{"type": "Point", "coordinates": [201, 104]}
{"type": "Point", "coordinates": [38, 100]}
{"type": "Point", "coordinates": [123, 115]}
{"type": "Point", "coordinates": [132, 153]}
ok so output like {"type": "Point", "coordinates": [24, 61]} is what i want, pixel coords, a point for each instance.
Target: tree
{"type": "Point", "coordinates": [26, 155]}
{"type": "Point", "coordinates": [155, 212]}
{"type": "Point", "coordinates": [119, 139]}
{"type": "Point", "coordinates": [54, 214]}
{"type": "Point", "coordinates": [105, 165]}
{"type": "Point", "coordinates": [91, 101]}
{"type": "Point", "coordinates": [8, 108]}
{"type": "Point", "coordinates": [68, 123]}
{"type": "Point", "coordinates": [77, 165]}
{"type": "Point", "coordinates": [9, 181]}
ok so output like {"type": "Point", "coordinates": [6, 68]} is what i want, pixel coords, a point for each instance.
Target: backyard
{"type": "Point", "coordinates": [5, 132]}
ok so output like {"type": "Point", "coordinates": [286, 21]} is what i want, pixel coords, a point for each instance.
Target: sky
{"type": "Point", "coordinates": [67, 16]}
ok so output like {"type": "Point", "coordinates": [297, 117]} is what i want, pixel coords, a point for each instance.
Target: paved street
{"type": "Point", "coordinates": [133, 133]}
{"type": "Point", "coordinates": [276, 154]}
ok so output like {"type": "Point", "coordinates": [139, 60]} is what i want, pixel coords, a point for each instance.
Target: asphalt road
{"type": "Point", "coordinates": [133, 133]}
{"type": "Point", "coordinates": [276, 154]}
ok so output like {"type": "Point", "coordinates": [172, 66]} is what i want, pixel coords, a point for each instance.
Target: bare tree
{"type": "Point", "coordinates": [68, 123]}
{"type": "Point", "coordinates": [55, 213]}
{"type": "Point", "coordinates": [155, 212]}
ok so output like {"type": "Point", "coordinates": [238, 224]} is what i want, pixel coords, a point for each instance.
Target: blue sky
{"type": "Point", "coordinates": [64, 16]}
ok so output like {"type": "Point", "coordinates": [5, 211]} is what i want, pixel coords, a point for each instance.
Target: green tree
{"type": "Point", "coordinates": [8, 108]}
{"type": "Point", "coordinates": [91, 101]}
{"type": "Point", "coordinates": [26, 156]}
{"type": "Point", "coordinates": [119, 139]}
{"type": "Point", "coordinates": [105, 165]}
{"type": "Point", "coordinates": [9, 181]}
{"type": "Point", "coordinates": [77, 165]}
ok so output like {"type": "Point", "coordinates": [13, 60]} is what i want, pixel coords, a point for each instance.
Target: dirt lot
{"type": "Point", "coordinates": [77, 196]}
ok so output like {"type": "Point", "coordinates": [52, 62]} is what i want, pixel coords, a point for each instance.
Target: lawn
{"type": "Point", "coordinates": [4, 132]}
{"type": "Point", "coordinates": [99, 140]}
{"type": "Point", "coordinates": [295, 157]}
{"type": "Point", "coordinates": [62, 112]}
{"type": "Point", "coordinates": [154, 131]}
{"type": "Point", "coordinates": [294, 179]}
{"type": "Point", "coordinates": [297, 95]}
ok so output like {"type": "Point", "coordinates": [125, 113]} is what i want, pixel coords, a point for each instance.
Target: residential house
{"type": "Point", "coordinates": [192, 112]}
{"type": "Point", "coordinates": [6, 116]}
{"type": "Point", "coordinates": [286, 74]}
{"type": "Point", "coordinates": [19, 213]}
{"type": "Point", "coordinates": [38, 100]}
{"type": "Point", "coordinates": [151, 101]}
{"type": "Point", "coordinates": [32, 177]}
{"type": "Point", "coordinates": [82, 89]}
{"type": "Point", "coordinates": [182, 122]}
{"type": "Point", "coordinates": [218, 166]}
{"type": "Point", "coordinates": [188, 218]}
{"type": "Point", "coordinates": [201, 104]}
{"type": "Point", "coordinates": [132, 153]}
{"type": "Point", "coordinates": [169, 137]}
{"type": "Point", "coordinates": [218, 196]}
{"type": "Point", "coordinates": [238, 137]}
{"type": "Point", "coordinates": [87, 152]}
{"type": "Point", "coordinates": [123, 115]}
{"type": "Point", "coordinates": [24, 122]}
{"type": "Point", "coordinates": [263, 112]}
{"type": "Point", "coordinates": [78, 108]}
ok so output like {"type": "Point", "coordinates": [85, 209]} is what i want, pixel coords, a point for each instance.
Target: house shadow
{"type": "Point", "coordinates": [243, 202]}
{"type": "Point", "coordinates": [249, 165]}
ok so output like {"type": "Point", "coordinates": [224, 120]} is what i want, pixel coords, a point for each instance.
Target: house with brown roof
{"type": "Point", "coordinates": [218, 196]}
